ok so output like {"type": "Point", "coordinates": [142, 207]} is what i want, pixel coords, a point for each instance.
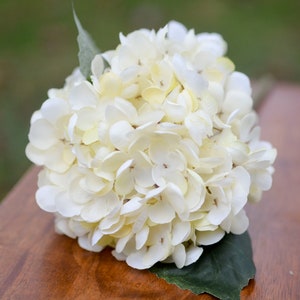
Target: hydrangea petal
{"type": "Point", "coordinates": [142, 171]}
{"type": "Point", "coordinates": [155, 253]}
{"type": "Point", "coordinates": [124, 182]}
{"type": "Point", "coordinates": [141, 237]}
{"type": "Point", "coordinates": [161, 212]}
{"type": "Point", "coordinates": [237, 100]}
{"type": "Point", "coordinates": [136, 260]}
{"type": "Point", "coordinates": [195, 195]}
{"type": "Point", "coordinates": [193, 253]}
{"type": "Point", "coordinates": [84, 242]}
{"type": "Point", "coordinates": [179, 256]}
{"type": "Point", "coordinates": [53, 109]}
{"type": "Point", "coordinates": [209, 237]}
{"type": "Point", "coordinates": [190, 78]}
{"type": "Point", "coordinates": [45, 197]}
{"type": "Point", "coordinates": [212, 43]}
{"type": "Point", "coordinates": [119, 134]}
{"type": "Point", "coordinates": [181, 230]}
{"type": "Point", "coordinates": [131, 206]}
{"type": "Point", "coordinates": [121, 243]}
{"type": "Point", "coordinates": [239, 81]}
{"type": "Point", "coordinates": [43, 135]}
{"type": "Point", "coordinates": [240, 190]}
{"type": "Point", "coordinates": [176, 31]}
{"type": "Point", "coordinates": [173, 195]}
{"type": "Point", "coordinates": [97, 66]}
{"type": "Point", "coordinates": [99, 208]}
{"type": "Point", "coordinates": [83, 95]}
{"type": "Point", "coordinates": [66, 207]}
{"type": "Point", "coordinates": [240, 223]}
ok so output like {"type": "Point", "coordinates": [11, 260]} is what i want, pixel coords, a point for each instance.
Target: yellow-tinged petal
{"type": "Point", "coordinates": [110, 85]}
{"type": "Point", "coordinates": [90, 136]}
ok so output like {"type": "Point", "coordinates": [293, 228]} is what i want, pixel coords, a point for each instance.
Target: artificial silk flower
{"type": "Point", "coordinates": [156, 153]}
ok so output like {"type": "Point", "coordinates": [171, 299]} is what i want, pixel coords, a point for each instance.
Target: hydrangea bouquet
{"type": "Point", "coordinates": [153, 149]}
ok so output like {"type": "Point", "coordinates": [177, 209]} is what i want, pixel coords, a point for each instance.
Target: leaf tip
{"type": "Point", "coordinates": [87, 47]}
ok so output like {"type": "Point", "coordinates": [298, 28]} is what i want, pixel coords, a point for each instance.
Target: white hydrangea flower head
{"type": "Point", "coordinates": [157, 155]}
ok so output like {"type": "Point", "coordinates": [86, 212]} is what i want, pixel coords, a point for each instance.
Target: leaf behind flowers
{"type": "Point", "coordinates": [87, 48]}
{"type": "Point", "coordinates": [222, 270]}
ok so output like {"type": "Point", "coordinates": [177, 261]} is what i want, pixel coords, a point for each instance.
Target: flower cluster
{"type": "Point", "coordinates": [157, 154]}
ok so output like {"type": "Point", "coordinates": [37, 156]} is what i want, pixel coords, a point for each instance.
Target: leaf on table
{"type": "Point", "coordinates": [222, 270]}
{"type": "Point", "coordinates": [87, 48]}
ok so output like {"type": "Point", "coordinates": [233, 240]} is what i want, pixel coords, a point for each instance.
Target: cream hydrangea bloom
{"type": "Point", "coordinates": [157, 155]}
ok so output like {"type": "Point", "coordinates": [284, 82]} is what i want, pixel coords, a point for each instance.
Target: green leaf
{"type": "Point", "coordinates": [222, 270]}
{"type": "Point", "coordinates": [87, 48]}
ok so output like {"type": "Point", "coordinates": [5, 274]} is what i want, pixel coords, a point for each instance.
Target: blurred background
{"type": "Point", "coordinates": [38, 49]}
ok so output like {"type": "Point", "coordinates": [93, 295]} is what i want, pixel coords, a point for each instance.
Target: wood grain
{"type": "Point", "coordinates": [36, 263]}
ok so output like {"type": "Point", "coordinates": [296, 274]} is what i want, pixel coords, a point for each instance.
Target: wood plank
{"type": "Point", "coordinates": [36, 263]}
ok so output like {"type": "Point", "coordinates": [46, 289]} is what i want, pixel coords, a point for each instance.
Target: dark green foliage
{"type": "Point", "coordinates": [222, 270]}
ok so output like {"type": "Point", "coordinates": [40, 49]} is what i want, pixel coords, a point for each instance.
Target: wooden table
{"type": "Point", "coordinates": [36, 263]}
